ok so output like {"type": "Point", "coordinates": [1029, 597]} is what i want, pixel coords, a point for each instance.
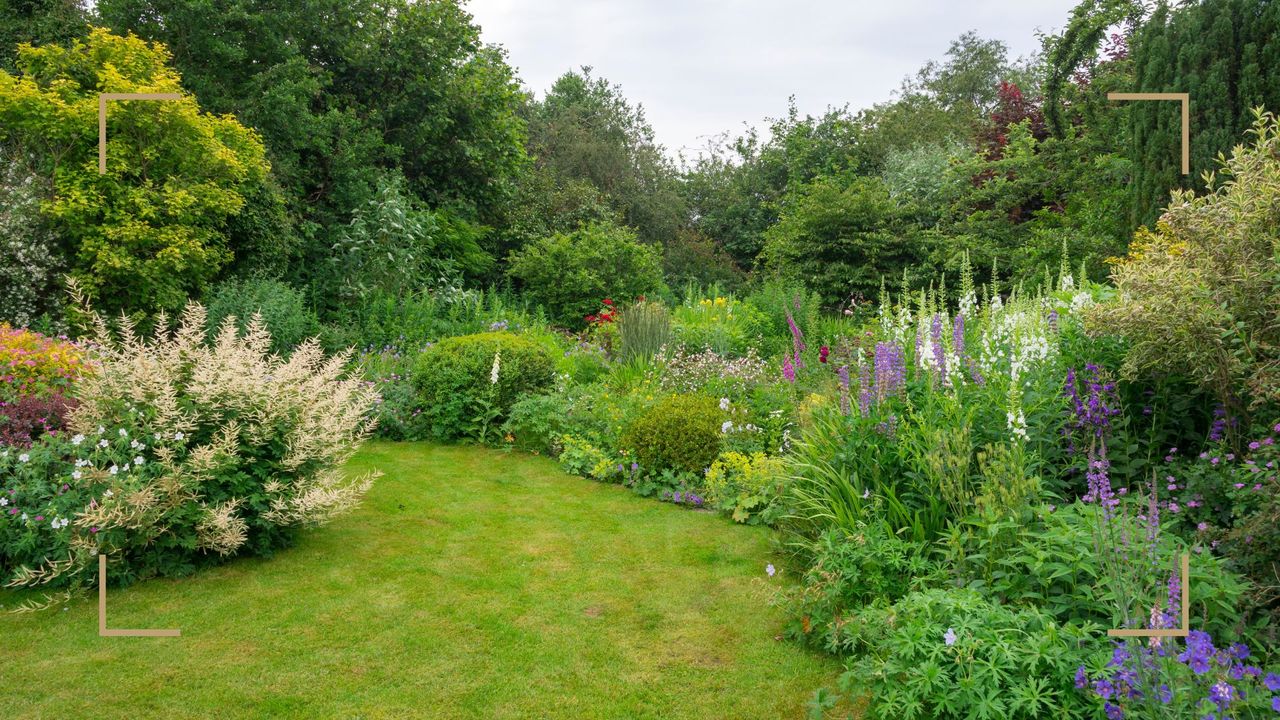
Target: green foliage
{"type": "Point", "coordinates": [457, 390]}
{"type": "Point", "coordinates": [1197, 296]}
{"type": "Point", "coordinates": [1052, 560]}
{"type": "Point", "coordinates": [38, 22]}
{"type": "Point", "coordinates": [644, 328]}
{"type": "Point", "coordinates": [570, 274]}
{"type": "Point", "coordinates": [150, 231]}
{"type": "Point", "coordinates": [846, 572]}
{"type": "Point", "coordinates": [840, 237]}
{"type": "Point", "coordinates": [1002, 662]}
{"type": "Point", "coordinates": [393, 246]}
{"type": "Point", "coordinates": [680, 432]}
{"type": "Point", "coordinates": [735, 187]}
{"type": "Point", "coordinates": [280, 307]}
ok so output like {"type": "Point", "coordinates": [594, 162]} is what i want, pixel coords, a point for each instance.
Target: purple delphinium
{"type": "Point", "coordinates": [842, 372]}
{"type": "Point", "coordinates": [957, 335]}
{"type": "Point", "coordinates": [1219, 428]}
{"type": "Point", "coordinates": [865, 392]}
{"type": "Point", "coordinates": [891, 369]}
{"type": "Point", "coordinates": [939, 352]}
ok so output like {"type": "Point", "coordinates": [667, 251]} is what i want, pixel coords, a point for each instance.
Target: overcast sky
{"type": "Point", "coordinates": [701, 67]}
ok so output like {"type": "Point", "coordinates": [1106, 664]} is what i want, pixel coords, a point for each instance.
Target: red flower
{"type": "Point", "coordinates": [823, 352]}
{"type": "Point", "coordinates": [590, 318]}
{"type": "Point", "coordinates": [608, 302]}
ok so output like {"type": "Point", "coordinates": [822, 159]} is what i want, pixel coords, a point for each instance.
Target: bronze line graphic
{"type": "Point", "coordinates": [103, 631]}
{"type": "Point", "coordinates": [102, 118]}
{"type": "Point", "coordinates": [1186, 611]}
{"type": "Point", "coordinates": [1185, 99]}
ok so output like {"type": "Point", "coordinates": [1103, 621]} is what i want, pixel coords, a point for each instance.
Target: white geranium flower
{"type": "Point", "coordinates": [123, 432]}
{"type": "Point", "coordinates": [138, 461]}
{"type": "Point", "coordinates": [107, 493]}
{"type": "Point", "coordinates": [102, 443]}
{"type": "Point", "coordinates": [24, 457]}
{"type": "Point", "coordinates": [178, 436]}
{"type": "Point", "coordinates": [114, 469]}
{"type": "Point", "coordinates": [77, 439]}
{"type": "Point", "coordinates": [75, 475]}
{"type": "Point", "coordinates": [4, 501]}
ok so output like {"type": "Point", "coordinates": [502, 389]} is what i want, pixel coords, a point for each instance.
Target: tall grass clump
{"type": "Point", "coordinates": [643, 330]}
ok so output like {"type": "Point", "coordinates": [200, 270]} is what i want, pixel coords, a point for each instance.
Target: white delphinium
{"type": "Point", "coordinates": [497, 364]}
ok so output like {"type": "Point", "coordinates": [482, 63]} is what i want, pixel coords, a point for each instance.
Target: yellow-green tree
{"type": "Point", "coordinates": [152, 230]}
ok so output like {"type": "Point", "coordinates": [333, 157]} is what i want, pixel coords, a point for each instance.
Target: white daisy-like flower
{"type": "Point", "coordinates": [24, 457]}
{"type": "Point", "coordinates": [139, 461]}
{"type": "Point", "coordinates": [75, 475]}
{"type": "Point", "coordinates": [178, 436]}
{"type": "Point", "coordinates": [114, 469]}
{"type": "Point", "coordinates": [102, 443]}
{"type": "Point", "coordinates": [77, 439]}
{"type": "Point", "coordinates": [4, 501]}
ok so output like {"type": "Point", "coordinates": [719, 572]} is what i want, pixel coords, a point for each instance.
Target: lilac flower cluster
{"type": "Point", "coordinates": [890, 370]}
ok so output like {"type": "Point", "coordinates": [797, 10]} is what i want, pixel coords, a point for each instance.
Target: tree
{"type": "Point", "coordinates": [585, 130]}
{"type": "Point", "coordinates": [151, 231]}
{"type": "Point", "coordinates": [733, 188]}
{"type": "Point", "coordinates": [840, 237]}
{"type": "Point", "coordinates": [341, 91]}
{"type": "Point", "coordinates": [1221, 52]}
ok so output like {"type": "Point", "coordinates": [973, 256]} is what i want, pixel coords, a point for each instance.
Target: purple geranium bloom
{"type": "Point", "coordinates": [1272, 682]}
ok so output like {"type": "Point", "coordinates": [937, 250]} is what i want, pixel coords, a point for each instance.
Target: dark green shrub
{"type": "Point", "coordinates": [455, 381]}
{"type": "Point", "coordinates": [571, 273]}
{"type": "Point", "coordinates": [282, 308]}
{"type": "Point", "coordinates": [681, 432]}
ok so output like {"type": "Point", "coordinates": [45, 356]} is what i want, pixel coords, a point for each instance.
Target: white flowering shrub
{"type": "Point", "coordinates": [181, 453]}
{"type": "Point", "coordinates": [28, 261]}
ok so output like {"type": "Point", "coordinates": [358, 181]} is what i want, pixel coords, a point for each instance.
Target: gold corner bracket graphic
{"type": "Point", "coordinates": [102, 118]}
{"type": "Point", "coordinates": [1186, 611]}
{"type": "Point", "coordinates": [103, 631]}
{"type": "Point", "coordinates": [1185, 99]}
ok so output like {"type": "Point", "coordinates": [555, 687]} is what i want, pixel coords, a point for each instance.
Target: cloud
{"type": "Point", "coordinates": [701, 67]}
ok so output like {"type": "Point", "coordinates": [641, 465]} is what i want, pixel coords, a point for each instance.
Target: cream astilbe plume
{"type": "Point", "coordinates": [211, 416]}
{"type": "Point", "coordinates": [221, 530]}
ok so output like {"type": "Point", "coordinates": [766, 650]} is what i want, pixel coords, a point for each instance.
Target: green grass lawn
{"type": "Point", "coordinates": [470, 584]}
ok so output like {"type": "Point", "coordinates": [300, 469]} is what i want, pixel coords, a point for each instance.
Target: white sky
{"type": "Point", "coordinates": [701, 67]}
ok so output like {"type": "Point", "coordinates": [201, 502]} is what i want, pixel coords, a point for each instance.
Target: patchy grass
{"type": "Point", "coordinates": [470, 584]}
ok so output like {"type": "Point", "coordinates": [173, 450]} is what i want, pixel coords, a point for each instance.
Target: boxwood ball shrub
{"type": "Point", "coordinates": [680, 432]}
{"type": "Point", "coordinates": [467, 384]}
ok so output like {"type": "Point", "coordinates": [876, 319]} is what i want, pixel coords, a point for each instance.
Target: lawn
{"type": "Point", "coordinates": [470, 584]}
